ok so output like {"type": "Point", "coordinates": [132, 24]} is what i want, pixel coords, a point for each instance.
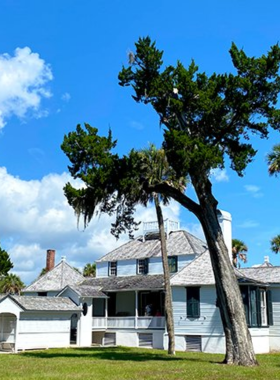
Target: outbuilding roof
{"type": "Point", "coordinates": [178, 243]}
{"type": "Point", "coordinates": [56, 279]}
{"type": "Point", "coordinates": [29, 303]}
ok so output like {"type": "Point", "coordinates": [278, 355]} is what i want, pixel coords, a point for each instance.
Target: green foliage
{"type": "Point", "coordinates": [207, 117]}
{"type": "Point", "coordinates": [11, 283]}
{"type": "Point", "coordinates": [113, 184]}
{"type": "Point", "coordinates": [273, 160]}
{"type": "Point", "coordinates": [89, 270]}
{"type": "Point", "coordinates": [5, 262]}
{"type": "Point", "coordinates": [275, 244]}
{"type": "Point", "coordinates": [239, 252]}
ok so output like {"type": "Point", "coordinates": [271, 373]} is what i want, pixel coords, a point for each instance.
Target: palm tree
{"type": "Point", "coordinates": [89, 270]}
{"type": "Point", "coordinates": [156, 170]}
{"type": "Point", "coordinates": [275, 244]}
{"type": "Point", "coordinates": [273, 160]}
{"type": "Point", "coordinates": [11, 284]}
{"type": "Point", "coordinates": [239, 250]}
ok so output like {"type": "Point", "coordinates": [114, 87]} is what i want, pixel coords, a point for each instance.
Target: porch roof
{"type": "Point", "coordinates": [140, 282]}
{"type": "Point", "coordinates": [178, 243]}
{"type": "Point", "coordinates": [85, 291]}
{"type": "Point", "coordinates": [267, 274]}
{"type": "Point", "coordinates": [28, 303]}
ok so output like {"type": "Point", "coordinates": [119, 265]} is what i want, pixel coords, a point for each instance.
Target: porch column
{"type": "Point", "coordinates": [16, 334]}
{"type": "Point", "coordinates": [136, 309]}
{"type": "Point", "coordinates": [106, 313]}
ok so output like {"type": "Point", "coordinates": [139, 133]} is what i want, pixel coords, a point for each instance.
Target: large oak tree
{"type": "Point", "coordinates": [206, 118]}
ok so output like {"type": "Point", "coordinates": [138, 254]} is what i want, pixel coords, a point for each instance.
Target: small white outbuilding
{"type": "Point", "coordinates": [35, 322]}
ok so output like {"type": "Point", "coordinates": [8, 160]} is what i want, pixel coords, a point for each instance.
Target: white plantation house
{"type": "Point", "coordinates": [124, 304]}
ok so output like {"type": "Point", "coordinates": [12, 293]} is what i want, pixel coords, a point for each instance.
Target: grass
{"type": "Point", "coordinates": [120, 363]}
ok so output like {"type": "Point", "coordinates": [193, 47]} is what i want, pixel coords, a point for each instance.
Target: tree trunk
{"type": "Point", "coordinates": [167, 287]}
{"type": "Point", "coordinates": [238, 339]}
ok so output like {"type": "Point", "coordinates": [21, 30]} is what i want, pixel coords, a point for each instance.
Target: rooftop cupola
{"type": "Point", "coordinates": [151, 230]}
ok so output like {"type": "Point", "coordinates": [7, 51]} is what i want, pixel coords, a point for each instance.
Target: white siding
{"type": "Point", "coordinates": [102, 269]}
{"type": "Point", "coordinates": [126, 268]}
{"type": "Point", "coordinates": [71, 294]}
{"type": "Point", "coordinates": [183, 260]}
{"type": "Point", "coordinates": [45, 330]}
{"type": "Point", "coordinates": [155, 265]}
{"type": "Point", "coordinates": [209, 322]}
{"type": "Point", "coordinates": [274, 331]}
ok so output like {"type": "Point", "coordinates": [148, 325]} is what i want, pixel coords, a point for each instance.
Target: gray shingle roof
{"type": "Point", "coordinates": [141, 282]}
{"type": "Point", "coordinates": [178, 243]}
{"type": "Point", "coordinates": [269, 275]}
{"type": "Point", "coordinates": [56, 279]}
{"type": "Point", "coordinates": [198, 272]}
{"type": "Point", "coordinates": [86, 291]}
{"type": "Point", "coordinates": [45, 303]}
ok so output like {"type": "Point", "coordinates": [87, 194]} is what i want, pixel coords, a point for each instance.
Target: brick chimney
{"type": "Point", "coordinates": [50, 259]}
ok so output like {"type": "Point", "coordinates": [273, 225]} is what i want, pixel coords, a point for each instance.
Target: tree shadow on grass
{"type": "Point", "coordinates": [113, 353]}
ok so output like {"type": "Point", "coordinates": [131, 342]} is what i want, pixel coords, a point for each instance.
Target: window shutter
{"type": "Point", "coordinates": [146, 266]}
{"type": "Point", "coordinates": [258, 301]}
{"type": "Point", "coordinates": [193, 302]}
{"type": "Point", "coordinates": [269, 308]}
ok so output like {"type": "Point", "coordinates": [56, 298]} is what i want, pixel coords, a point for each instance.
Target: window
{"type": "Point", "coordinates": [42, 294]}
{"type": "Point", "coordinates": [193, 302]}
{"type": "Point", "coordinates": [143, 266]}
{"type": "Point", "coordinates": [112, 268]}
{"type": "Point", "coordinates": [98, 307]}
{"type": "Point", "coordinates": [258, 306]}
{"type": "Point", "coordinates": [173, 264]}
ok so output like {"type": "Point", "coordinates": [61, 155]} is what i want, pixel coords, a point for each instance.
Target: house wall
{"type": "Point", "coordinates": [43, 330]}
{"type": "Point", "coordinates": [69, 293]}
{"type": "Point", "coordinates": [208, 326]}
{"type": "Point", "coordinates": [274, 331]}
{"type": "Point", "coordinates": [129, 267]}
{"type": "Point", "coordinates": [102, 269]}
{"type": "Point", "coordinates": [84, 327]}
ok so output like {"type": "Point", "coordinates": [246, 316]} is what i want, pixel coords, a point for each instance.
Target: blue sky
{"type": "Point", "coordinates": [59, 62]}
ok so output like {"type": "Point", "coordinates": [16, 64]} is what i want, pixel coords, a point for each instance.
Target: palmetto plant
{"type": "Point", "coordinates": [273, 160]}
{"type": "Point", "coordinates": [275, 244]}
{"type": "Point", "coordinates": [239, 252]}
{"type": "Point", "coordinates": [11, 284]}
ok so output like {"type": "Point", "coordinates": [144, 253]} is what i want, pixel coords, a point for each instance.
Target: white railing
{"type": "Point", "coordinates": [151, 322]}
{"type": "Point", "coordinates": [169, 226]}
{"type": "Point", "coordinates": [121, 322]}
{"type": "Point", "coordinates": [99, 322]}
{"type": "Point", "coordinates": [128, 322]}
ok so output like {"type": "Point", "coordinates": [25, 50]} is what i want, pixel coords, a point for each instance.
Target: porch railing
{"type": "Point", "coordinates": [128, 323]}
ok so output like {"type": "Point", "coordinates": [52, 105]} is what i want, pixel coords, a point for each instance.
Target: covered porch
{"type": "Point", "coordinates": [138, 309]}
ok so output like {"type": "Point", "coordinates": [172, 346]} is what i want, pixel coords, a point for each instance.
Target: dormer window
{"type": "Point", "coordinates": [143, 266]}
{"type": "Point", "coordinates": [112, 268]}
{"type": "Point", "coordinates": [173, 264]}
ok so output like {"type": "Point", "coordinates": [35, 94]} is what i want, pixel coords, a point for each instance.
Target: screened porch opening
{"type": "Point", "coordinates": [8, 323]}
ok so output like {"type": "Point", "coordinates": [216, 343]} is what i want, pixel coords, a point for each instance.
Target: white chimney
{"type": "Point", "coordinates": [225, 219]}
{"type": "Point", "coordinates": [266, 259]}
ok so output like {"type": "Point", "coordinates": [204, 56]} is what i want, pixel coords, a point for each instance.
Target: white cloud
{"type": "Point", "coordinates": [35, 216]}
{"type": "Point", "coordinates": [23, 80]}
{"type": "Point", "coordinates": [219, 175]}
{"type": "Point", "coordinates": [136, 125]}
{"type": "Point", "coordinates": [66, 97]}
{"type": "Point", "coordinates": [248, 224]}
{"type": "Point", "coordinates": [254, 190]}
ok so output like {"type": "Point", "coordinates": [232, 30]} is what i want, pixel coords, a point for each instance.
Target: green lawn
{"type": "Point", "coordinates": [127, 363]}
